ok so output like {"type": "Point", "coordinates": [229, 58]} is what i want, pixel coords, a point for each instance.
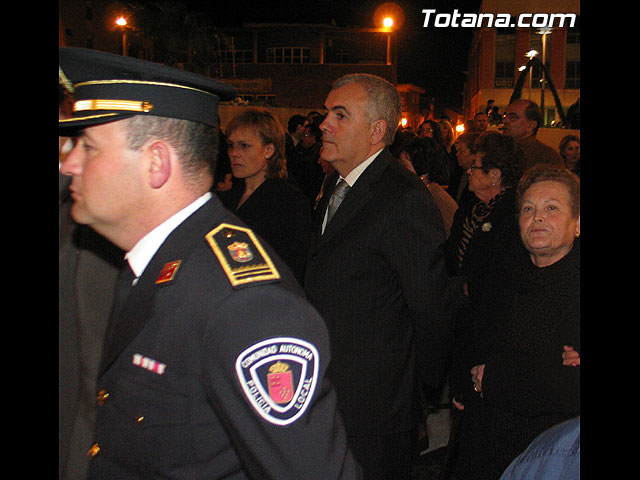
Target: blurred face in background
{"type": "Point", "coordinates": [515, 124]}
{"type": "Point", "coordinates": [307, 139]}
{"type": "Point", "coordinates": [425, 130]}
{"type": "Point", "coordinates": [464, 155]}
{"type": "Point", "coordinates": [481, 122]}
{"type": "Point", "coordinates": [571, 154]}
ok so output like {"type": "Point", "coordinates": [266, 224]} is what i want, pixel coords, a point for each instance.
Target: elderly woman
{"type": "Point", "coordinates": [480, 229]}
{"type": "Point", "coordinates": [530, 316]}
{"type": "Point", "coordinates": [263, 199]}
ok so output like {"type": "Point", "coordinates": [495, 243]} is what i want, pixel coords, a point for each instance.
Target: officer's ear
{"type": "Point", "coordinates": [159, 163]}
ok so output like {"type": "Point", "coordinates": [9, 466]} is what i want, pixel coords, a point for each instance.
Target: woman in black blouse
{"type": "Point", "coordinates": [263, 198]}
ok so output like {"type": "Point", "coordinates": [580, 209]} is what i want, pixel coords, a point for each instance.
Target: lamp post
{"type": "Point", "coordinates": [387, 23]}
{"type": "Point", "coordinates": [388, 17]}
{"type": "Point", "coordinates": [530, 54]}
{"type": "Point", "coordinates": [544, 32]}
{"type": "Point", "coordinates": [122, 22]}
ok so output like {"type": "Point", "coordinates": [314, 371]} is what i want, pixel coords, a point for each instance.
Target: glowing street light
{"type": "Point", "coordinates": [388, 17]}
{"type": "Point", "coordinates": [121, 21]}
{"type": "Point", "coordinates": [530, 54]}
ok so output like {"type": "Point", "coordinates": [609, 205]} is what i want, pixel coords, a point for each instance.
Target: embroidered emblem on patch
{"type": "Point", "coordinates": [278, 377]}
{"type": "Point", "coordinates": [240, 252]}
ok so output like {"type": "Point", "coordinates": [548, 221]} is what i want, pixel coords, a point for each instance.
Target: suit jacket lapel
{"type": "Point", "coordinates": [356, 199]}
{"type": "Point", "coordinates": [321, 209]}
{"type": "Point", "coordinates": [131, 318]}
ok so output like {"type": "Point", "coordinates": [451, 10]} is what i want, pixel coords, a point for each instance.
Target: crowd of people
{"type": "Point", "coordinates": [387, 265]}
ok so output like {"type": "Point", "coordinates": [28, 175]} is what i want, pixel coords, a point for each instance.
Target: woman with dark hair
{"type": "Point", "coordinates": [480, 227]}
{"type": "Point", "coordinates": [263, 199]}
{"type": "Point", "coordinates": [429, 161]}
{"type": "Point", "coordinates": [480, 230]}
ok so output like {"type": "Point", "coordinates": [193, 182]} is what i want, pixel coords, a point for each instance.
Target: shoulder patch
{"type": "Point", "coordinates": [241, 255]}
{"type": "Point", "coordinates": [279, 377]}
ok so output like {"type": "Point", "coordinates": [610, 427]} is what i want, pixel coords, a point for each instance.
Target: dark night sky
{"type": "Point", "coordinates": [433, 58]}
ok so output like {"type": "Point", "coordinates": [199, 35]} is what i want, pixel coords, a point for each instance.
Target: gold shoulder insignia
{"type": "Point", "coordinates": [242, 257]}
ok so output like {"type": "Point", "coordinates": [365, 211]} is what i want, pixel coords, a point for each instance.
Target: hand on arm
{"type": "Point", "coordinates": [570, 357]}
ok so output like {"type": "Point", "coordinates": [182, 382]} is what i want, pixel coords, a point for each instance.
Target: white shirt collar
{"type": "Point", "coordinates": [356, 172]}
{"type": "Point", "coordinates": [143, 251]}
{"type": "Point", "coordinates": [351, 178]}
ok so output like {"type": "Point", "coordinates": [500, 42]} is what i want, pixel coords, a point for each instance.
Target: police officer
{"type": "Point", "coordinates": [214, 363]}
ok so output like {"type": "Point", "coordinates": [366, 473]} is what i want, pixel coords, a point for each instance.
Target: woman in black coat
{"type": "Point", "coordinates": [480, 230]}
{"type": "Point", "coordinates": [529, 315]}
{"type": "Point", "coordinates": [263, 198]}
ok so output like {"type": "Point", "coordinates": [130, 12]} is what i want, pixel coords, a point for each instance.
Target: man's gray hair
{"type": "Point", "coordinates": [383, 100]}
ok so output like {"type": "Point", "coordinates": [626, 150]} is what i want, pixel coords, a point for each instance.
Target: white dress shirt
{"type": "Point", "coordinates": [143, 251]}
{"type": "Point", "coordinates": [352, 177]}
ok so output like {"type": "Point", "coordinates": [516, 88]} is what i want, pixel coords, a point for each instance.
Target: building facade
{"type": "Point", "coordinates": [277, 65]}
{"type": "Point", "coordinates": [293, 65]}
{"type": "Point", "coordinates": [497, 54]}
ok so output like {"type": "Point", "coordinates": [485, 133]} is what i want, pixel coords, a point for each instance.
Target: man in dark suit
{"type": "Point", "coordinates": [214, 363]}
{"type": "Point", "coordinates": [376, 275]}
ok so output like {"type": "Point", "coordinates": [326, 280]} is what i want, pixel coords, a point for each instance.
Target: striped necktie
{"type": "Point", "coordinates": [336, 198]}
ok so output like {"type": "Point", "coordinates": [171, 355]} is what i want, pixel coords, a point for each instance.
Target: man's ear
{"type": "Point", "coordinates": [378, 130]}
{"type": "Point", "coordinates": [159, 164]}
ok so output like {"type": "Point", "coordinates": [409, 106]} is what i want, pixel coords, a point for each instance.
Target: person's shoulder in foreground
{"type": "Point", "coordinates": [554, 454]}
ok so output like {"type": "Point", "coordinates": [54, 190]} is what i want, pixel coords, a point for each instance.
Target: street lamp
{"type": "Point", "coordinates": [530, 54]}
{"type": "Point", "coordinates": [121, 21]}
{"type": "Point", "coordinates": [544, 32]}
{"type": "Point", "coordinates": [388, 17]}
{"type": "Point", "coordinates": [387, 24]}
